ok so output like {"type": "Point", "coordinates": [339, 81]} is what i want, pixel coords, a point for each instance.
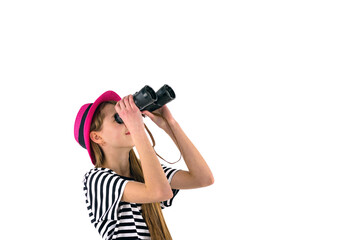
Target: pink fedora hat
{"type": "Point", "coordinates": [84, 118]}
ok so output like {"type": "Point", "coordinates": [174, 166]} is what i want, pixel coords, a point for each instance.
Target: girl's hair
{"type": "Point", "coordinates": [151, 212]}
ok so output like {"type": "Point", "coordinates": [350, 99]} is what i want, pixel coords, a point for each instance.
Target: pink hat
{"type": "Point", "coordinates": [84, 118]}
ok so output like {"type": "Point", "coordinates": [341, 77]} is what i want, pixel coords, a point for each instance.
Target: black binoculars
{"type": "Point", "coordinates": [149, 100]}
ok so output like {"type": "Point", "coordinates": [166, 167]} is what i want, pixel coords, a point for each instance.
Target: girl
{"type": "Point", "coordinates": [125, 195]}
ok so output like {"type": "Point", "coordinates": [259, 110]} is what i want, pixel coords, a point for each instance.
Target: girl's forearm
{"type": "Point", "coordinates": [153, 174]}
{"type": "Point", "coordinates": [196, 164]}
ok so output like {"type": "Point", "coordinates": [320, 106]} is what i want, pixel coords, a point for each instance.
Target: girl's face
{"type": "Point", "coordinates": [112, 133]}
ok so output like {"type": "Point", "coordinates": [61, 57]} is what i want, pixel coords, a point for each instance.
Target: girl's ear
{"type": "Point", "coordinates": [95, 137]}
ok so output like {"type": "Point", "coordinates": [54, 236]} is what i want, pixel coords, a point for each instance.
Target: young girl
{"type": "Point", "coordinates": [125, 195]}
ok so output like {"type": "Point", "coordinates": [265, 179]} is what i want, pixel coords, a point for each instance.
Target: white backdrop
{"type": "Point", "coordinates": [266, 90]}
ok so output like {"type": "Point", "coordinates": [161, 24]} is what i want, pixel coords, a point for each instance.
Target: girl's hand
{"type": "Point", "coordinates": [129, 113]}
{"type": "Point", "coordinates": [158, 120]}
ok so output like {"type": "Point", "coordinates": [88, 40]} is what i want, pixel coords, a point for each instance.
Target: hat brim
{"type": "Point", "coordinates": [106, 96]}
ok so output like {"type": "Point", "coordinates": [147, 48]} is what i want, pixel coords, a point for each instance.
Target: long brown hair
{"type": "Point", "coordinates": [151, 212]}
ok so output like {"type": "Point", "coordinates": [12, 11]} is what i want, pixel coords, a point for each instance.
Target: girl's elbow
{"type": "Point", "coordinates": [209, 181]}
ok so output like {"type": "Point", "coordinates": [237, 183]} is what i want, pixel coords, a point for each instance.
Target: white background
{"type": "Point", "coordinates": [266, 90]}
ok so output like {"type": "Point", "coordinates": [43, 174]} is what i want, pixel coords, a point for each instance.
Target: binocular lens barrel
{"type": "Point", "coordinates": [144, 97]}
{"type": "Point", "coordinates": [165, 94]}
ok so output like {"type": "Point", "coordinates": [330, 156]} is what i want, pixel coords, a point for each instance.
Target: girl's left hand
{"type": "Point", "coordinates": [159, 121]}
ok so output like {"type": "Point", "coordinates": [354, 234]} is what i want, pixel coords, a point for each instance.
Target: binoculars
{"type": "Point", "coordinates": [149, 100]}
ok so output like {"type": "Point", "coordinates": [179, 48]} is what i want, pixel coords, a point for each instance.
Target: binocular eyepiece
{"type": "Point", "coordinates": [149, 100]}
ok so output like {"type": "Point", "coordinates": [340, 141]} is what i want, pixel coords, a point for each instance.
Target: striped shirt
{"type": "Point", "coordinates": [113, 218]}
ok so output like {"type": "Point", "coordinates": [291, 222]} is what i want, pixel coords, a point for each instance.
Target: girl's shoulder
{"type": "Point", "coordinates": [94, 170]}
{"type": "Point", "coordinates": [107, 171]}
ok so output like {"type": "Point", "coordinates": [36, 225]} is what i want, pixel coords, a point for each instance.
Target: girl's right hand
{"type": "Point", "coordinates": [130, 113]}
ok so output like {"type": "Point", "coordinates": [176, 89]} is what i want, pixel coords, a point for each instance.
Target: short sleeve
{"type": "Point", "coordinates": [169, 172]}
{"type": "Point", "coordinates": [103, 191]}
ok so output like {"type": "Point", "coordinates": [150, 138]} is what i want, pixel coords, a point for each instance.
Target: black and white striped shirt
{"type": "Point", "coordinates": [115, 219]}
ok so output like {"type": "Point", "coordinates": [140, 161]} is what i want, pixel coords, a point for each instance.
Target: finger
{"type": "Point", "coordinates": [121, 104]}
{"type": "Point", "coordinates": [147, 113]}
{"type": "Point", "coordinates": [125, 101]}
{"type": "Point", "coordinates": [132, 102]}
{"type": "Point", "coordinates": [118, 106]}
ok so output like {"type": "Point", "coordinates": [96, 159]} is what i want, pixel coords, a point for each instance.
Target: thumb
{"type": "Point", "coordinates": [147, 113]}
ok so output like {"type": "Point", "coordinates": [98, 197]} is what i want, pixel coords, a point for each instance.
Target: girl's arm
{"type": "Point", "coordinates": [197, 166]}
{"type": "Point", "coordinates": [155, 179]}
